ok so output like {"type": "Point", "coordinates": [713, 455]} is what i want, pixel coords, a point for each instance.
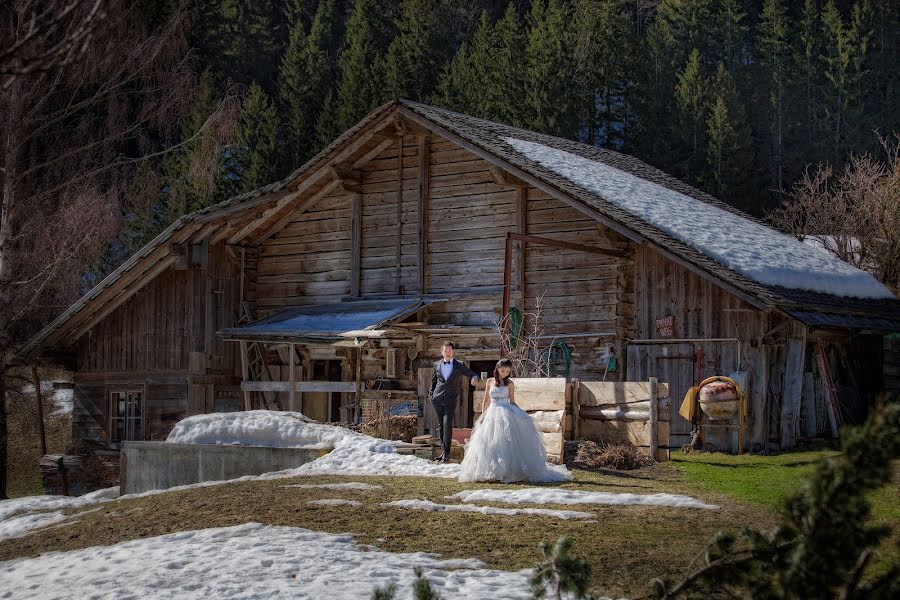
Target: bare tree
{"type": "Point", "coordinates": [524, 342]}
{"type": "Point", "coordinates": [52, 35]}
{"type": "Point", "coordinates": [89, 91]}
{"type": "Point", "coordinates": [854, 215]}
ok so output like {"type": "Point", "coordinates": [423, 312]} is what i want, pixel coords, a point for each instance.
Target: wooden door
{"type": "Point", "coordinates": [428, 420]}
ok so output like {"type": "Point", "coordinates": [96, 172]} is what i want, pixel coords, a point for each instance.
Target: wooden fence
{"type": "Point", "coordinates": [609, 412]}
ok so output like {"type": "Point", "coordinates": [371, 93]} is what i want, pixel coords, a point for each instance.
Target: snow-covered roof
{"type": "Point", "coordinates": [747, 246]}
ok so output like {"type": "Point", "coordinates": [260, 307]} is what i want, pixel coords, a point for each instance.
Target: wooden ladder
{"type": "Point", "coordinates": [257, 367]}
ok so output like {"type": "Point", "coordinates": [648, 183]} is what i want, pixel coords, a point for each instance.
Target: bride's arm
{"type": "Point", "coordinates": [487, 395]}
{"type": "Point", "coordinates": [512, 393]}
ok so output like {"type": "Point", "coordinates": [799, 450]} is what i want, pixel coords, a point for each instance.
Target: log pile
{"type": "Point", "coordinates": [86, 467]}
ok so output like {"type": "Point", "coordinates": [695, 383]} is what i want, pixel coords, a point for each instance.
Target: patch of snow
{"type": "Point", "coordinates": [754, 250]}
{"type": "Point", "coordinates": [428, 505]}
{"type": "Point", "coordinates": [335, 502]}
{"type": "Point", "coordinates": [275, 429]}
{"type": "Point", "coordinates": [15, 506]}
{"type": "Point", "coordinates": [351, 485]}
{"type": "Point", "coordinates": [249, 561]}
{"type": "Point", "coordinates": [22, 525]}
{"type": "Point", "coordinates": [63, 398]}
{"type": "Point", "coordinates": [562, 496]}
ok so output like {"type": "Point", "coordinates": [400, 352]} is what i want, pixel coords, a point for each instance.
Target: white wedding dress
{"type": "Point", "coordinates": [506, 446]}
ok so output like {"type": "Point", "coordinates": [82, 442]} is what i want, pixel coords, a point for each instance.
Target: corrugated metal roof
{"type": "Point", "coordinates": [327, 322]}
{"type": "Point", "coordinates": [823, 319]}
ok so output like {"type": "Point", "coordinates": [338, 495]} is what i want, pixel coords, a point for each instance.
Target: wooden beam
{"type": "Point", "coordinates": [299, 386]}
{"type": "Point", "coordinates": [292, 379]}
{"type": "Point", "coordinates": [506, 179]}
{"type": "Point", "coordinates": [371, 154]}
{"type": "Point", "coordinates": [792, 390]}
{"type": "Point", "coordinates": [355, 244]}
{"type": "Point", "coordinates": [40, 408]}
{"type": "Point", "coordinates": [120, 299]}
{"type": "Point", "coordinates": [315, 176]}
{"type": "Point", "coordinates": [422, 211]}
{"type": "Point", "coordinates": [289, 216]}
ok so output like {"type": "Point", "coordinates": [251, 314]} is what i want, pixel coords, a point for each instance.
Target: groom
{"type": "Point", "coordinates": [446, 385]}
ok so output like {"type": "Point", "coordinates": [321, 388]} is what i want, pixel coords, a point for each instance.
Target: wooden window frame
{"type": "Point", "coordinates": [111, 407]}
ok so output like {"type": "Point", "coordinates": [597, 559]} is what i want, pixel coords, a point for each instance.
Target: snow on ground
{"type": "Point", "coordinates": [18, 518]}
{"type": "Point", "coordinates": [428, 505]}
{"type": "Point", "coordinates": [248, 561]}
{"type": "Point", "coordinates": [335, 502]}
{"type": "Point", "coordinates": [550, 495]}
{"type": "Point", "coordinates": [63, 398]}
{"type": "Point", "coordinates": [353, 453]}
{"type": "Point", "coordinates": [257, 428]}
{"type": "Point", "coordinates": [350, 485]}
{"type": "Point", "coordinates": [756, 251]}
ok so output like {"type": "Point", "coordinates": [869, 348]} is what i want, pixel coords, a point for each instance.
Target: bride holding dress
{"type": "Point", "coordinates": [506, 444]}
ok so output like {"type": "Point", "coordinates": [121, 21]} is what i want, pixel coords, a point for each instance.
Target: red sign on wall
{"type": "Point", "coordinates": [665, 327]}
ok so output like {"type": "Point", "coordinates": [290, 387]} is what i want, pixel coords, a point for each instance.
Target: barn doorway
{"type": "Point", "coordinates": [324, 407]}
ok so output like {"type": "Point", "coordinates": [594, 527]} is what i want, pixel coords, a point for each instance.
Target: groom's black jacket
{"type": "Point", "coordinates": [446, 392]}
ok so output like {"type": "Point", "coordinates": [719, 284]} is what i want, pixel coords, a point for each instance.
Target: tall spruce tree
{"type": "Point", "coordinates": [806, 57]}
{"type": "Point", "coordinates": [549, 97]}
{"type": "Point", "coordinates": [603, 58]}
{"type": "Point", "coordinates": [412, 64]}
{"type": "Point", "coordinates": [505, 83]}
{"type": "Point", "coordinates": [253, 161]}
{"type": "Point", "coordinates": [774, 48]}
{"type": "Point", "coordinates": [240, 39]}
{"type": "Point", "coordinates": [728, 154]}
{"type": "Point", "coordinates": [460, 85]}
{"type": "Point", "coordinates": [691, 100]}
{"type": "Point", "coordinates": [305, 76]}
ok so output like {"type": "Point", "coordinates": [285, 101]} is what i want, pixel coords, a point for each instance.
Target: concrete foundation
{"type": "Point", "coordinates": [149, 466]}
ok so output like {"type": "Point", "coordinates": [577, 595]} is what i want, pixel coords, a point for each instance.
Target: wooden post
{"type": "Point", "coordinates": [40, 408]}
{"type": "Point", "coordinates": [398, 285]}
{"type": "Point", "coordinates": [576, 409]}
{"type": "Point", "coordinates": [355, 244]}
{"type": "Point", "coordinates": [245, 373]}
{"type": "Point", "coordinates": [292, 378]}
{"type": "Point", "coordinates": [424, 183]}
{"type": "Point", "coordinates": [521, 228]}
{"type": "Point", "coordinates": [793, 385]}
{"type": "Point", "coordinates": [654, 418]}
{"type": "Point", "coordinates": [357, 406]}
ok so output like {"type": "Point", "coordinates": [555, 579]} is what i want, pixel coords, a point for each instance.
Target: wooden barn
{"type": "Point", "coordinates": [333, 289]}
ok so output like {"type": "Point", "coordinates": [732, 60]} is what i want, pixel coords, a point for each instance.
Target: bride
{"type": "Point", "coordinates": [505, 444]}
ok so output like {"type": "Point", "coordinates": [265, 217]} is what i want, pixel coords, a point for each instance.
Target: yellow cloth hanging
{"type": "Point", "coordinates": [689, 406]}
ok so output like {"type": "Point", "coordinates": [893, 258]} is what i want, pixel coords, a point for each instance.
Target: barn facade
{"type": "Point", "coordinates": [332, 290]}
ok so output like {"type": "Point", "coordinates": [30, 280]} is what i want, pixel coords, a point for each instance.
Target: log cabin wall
{"type": "Point", "coordinates": [701, 309]}
{"type": "Point", "coordinates": [163, 340]}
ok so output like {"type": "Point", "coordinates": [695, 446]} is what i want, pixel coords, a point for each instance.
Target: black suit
{"type": "Point", "coordinates": [444, 397]}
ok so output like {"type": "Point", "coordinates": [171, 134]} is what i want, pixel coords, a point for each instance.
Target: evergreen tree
{"type": "Point", "coordinates": [240, 39]}
{"type": "Point", "coordinates": [843, 52]}
{"type": "Point", "coordinates": [773, 41]}
{"type": "Point", "coordinates": [504, 81]}
{"type": "Point", "coordinates": [690, 98]}
{"type": "Point", "coordinates": [686, 24]}
{"type": "Point", "coordinates": [327, 128]}
{"type": "Point", "coordinates": [728, 142]}
{"type": "Point", "coordinates": [729, 36]}
{"type": "Point", "coordinates": [191, 175]}
{"type": "Point", "coordinates": [560, 572]}
{"type": "Point", "coordinates": [880, 105]}
{"type": "Point", "coordinates": [253, 162]}
{"type": "Point", "coordinates": [809, 74]}
{"type": "Point", "coordinates": [459, 85]}
{"type": "Point", "coordinates": [603, 57]}
{"type": "Point", "coordinates": [305, 76]}
{"type": "Point", "coordinates": [364, 41]}
{"type": "Point", "coordinates": [412, 64]}
{"type": "Point", "coordinates": [549, 97]}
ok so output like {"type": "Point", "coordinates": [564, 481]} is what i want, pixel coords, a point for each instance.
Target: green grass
{"type": "Point", "coordinates": [765, 480]}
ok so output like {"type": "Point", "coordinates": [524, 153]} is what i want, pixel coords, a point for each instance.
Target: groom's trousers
{"type": "Point", "coordinates": [445, 425]}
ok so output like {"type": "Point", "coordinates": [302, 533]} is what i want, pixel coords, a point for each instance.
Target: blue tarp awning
{"type": "Point", "coordinates": [326, 323]}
